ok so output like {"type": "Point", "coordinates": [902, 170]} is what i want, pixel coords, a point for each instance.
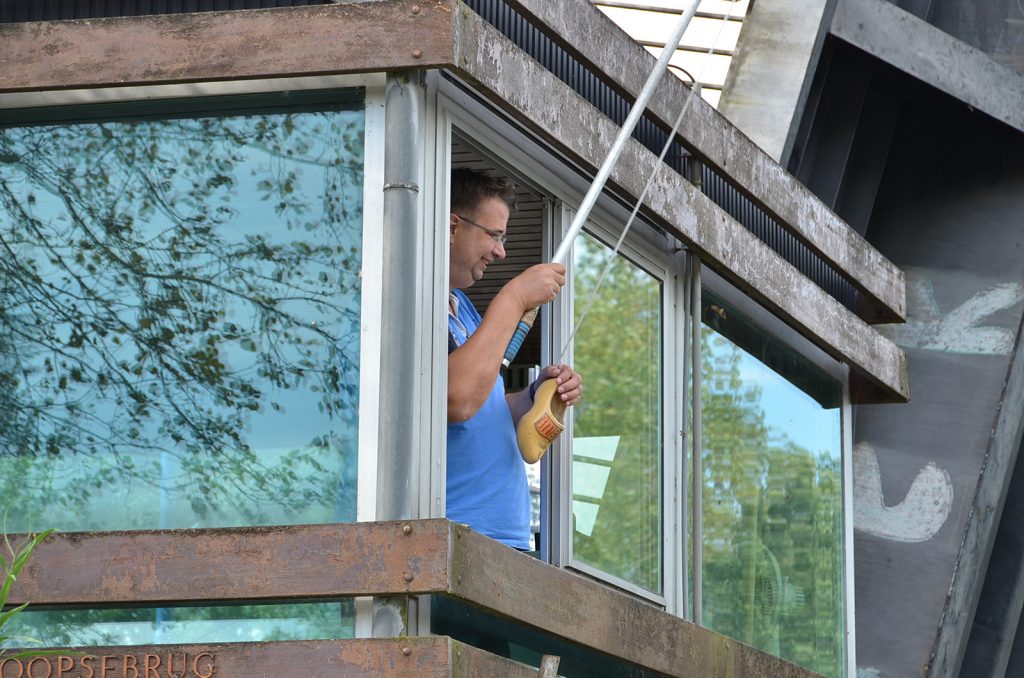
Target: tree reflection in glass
{"type": "Point", "coordinates": [772, 505]}
{"type": "Point", "coordinates": [179, 319]}
{"type": "Point", "coordinates": [617, 471]}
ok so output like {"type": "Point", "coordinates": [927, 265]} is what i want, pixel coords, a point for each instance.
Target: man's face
{"type": "Point", "coordinates": [473, 247]}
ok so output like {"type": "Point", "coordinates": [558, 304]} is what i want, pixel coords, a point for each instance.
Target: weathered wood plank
{"type": "Point", "coordinates": [421, 556]}
{"type": "Point", "coordinates": [563, 604]}
{"type": "Point", "coordinates": [269, 43]}
{"type": "Point", "coordinates": [259, 563]}
{"type": "Point", "coordinates": [413, 657]}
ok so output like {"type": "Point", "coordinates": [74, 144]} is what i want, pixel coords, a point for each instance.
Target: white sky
{"type": "Point", "coordinates": [653, 21]}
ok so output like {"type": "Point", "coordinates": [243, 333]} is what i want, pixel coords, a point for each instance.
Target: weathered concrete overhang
{"type": "Point", "coordinates": [599, 43]}
{"type": "Point", "coordinates": [933, 56]}
{"type": "Point", "coordinates": [392, 559]}
{"type": "Point", "coordinates": [402, 34]}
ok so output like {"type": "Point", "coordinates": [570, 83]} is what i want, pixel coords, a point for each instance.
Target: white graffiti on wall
{"type": "Point", "coordinates": [956, 331]}
{"type": "Point", "coordinates": [915, 519]}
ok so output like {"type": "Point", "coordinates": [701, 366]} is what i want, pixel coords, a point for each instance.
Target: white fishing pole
{"type": "Point", "coordinates": [647, 186]}
{"type": "Point", "coordinates": [544, 422]}
{"type": "Point", "coordinates": [562, 253]}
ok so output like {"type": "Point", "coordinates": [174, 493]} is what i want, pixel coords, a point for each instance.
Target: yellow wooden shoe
{"type": "Point", "coordinates": [543, 423]}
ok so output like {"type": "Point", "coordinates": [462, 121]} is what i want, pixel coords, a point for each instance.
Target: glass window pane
{"type": "Point", "coordinates": [616, 447]}
{"type": "Point", "coordinates": [179, 326]}
{"type": "Point", "coordinates": [185, 625]}
{"type": "Point", "coordinates": [772, 505]}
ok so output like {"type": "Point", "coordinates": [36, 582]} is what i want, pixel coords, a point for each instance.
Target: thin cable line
{"type": "Point", "coordinates": [694, 92]}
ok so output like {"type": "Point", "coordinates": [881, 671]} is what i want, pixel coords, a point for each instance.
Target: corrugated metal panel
{"type": "Point", "coordinates": [588, 85]}
{"type": "Point", "coordinates": [50, 10]}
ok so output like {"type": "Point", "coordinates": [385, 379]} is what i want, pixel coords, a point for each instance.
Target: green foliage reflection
{"type": "Point", "coordinates": [219, 624]}
{"type": "Point", "coordinates": [772, 508]}
{"type": "Point", "coordinates": [617, 434]}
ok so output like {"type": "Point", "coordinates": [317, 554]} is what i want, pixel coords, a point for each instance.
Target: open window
{"type": "Point", "coordinates": [599, 496]}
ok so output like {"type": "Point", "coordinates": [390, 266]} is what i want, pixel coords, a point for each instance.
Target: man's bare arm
{"type": "Point", "coordinates": [473, 367]}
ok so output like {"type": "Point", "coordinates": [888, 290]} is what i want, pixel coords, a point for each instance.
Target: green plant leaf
{"type": "Point", "coordinates": [6, 616]}
{"type": "Point", "coordinates": [20, 639]}
{"type": "Point", "coordinates": [20, 559]}
{"type": "Point", "coordinates": [25, 654]}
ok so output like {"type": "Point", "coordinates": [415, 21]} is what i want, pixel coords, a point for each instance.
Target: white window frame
{"type": "Point", "coordinates": [373, 218]}
{"type": "Point", "coordinates": [450, 105]}
{"type": "Point", "coordinates": [650, 251]}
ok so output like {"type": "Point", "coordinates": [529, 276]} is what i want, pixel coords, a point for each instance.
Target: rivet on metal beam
{"type": "Point", "coordinates": [408, 576]}
{"type": "Point", "coordinates": [407, 651]}
{"type": "Point", "coordinates": [407, 530]}
{"type": "Point", "coordinates": [416, 54]}
{"type": "Point", "coordinates": [415, 9]}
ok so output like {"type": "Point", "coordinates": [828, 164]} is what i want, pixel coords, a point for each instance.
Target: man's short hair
{"type": "Point", "coordinates": [470, 188]}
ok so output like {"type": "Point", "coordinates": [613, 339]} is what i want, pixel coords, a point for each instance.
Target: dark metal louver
{"type": "Point", "coordinates": [52, 10]}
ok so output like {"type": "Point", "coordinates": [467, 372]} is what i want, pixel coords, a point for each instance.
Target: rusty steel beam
{"type": "Point", "coordinates": [405, 557]}
{"type": "Point", "coordinates": [414, 657]}
{"type": "Point", "coordinates": [597, 42]}
{"type": "Point", "coordinates": [270, 43]}
{"type": "Point", "coordinates": [502, 72]}
{"type": "Point", "coordinates": [259, 563]}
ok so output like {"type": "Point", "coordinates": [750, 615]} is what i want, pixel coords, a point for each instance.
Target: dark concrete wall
{"type": "Point", "coordinates": [949, 211]}
{"type": "Point", "coordinates": [946, 204]}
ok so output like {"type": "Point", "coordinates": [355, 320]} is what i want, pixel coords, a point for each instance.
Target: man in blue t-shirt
{"type": "Point", "coordinates": [486, 483]}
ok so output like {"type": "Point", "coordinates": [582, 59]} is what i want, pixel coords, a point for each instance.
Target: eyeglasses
{"type": "Point", "coordinates": [498, 237]}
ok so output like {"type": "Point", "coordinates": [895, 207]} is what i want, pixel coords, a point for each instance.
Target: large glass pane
{"type": "Point", "coordinates": [772, 503]}
{"type": "Point", "coordinates": [616, 446]}
{"type": "Point", "coordinates": [179, 315]}
{"type": "Point", "coordinates": [174, 625]}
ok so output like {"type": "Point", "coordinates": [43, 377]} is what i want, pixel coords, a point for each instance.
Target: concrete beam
{"type": "Point", "coordinates": [997, 617]}
{"type": "Point", "coordinates": [770, 75]}
{"type": "Point", "coordinates": [523, 88]}
{"type": "Point", "coordinates": [921, 50]}
{"type": "Point", "coordinates": [982, 524]}
{"type": "Point", "coordinates": [597, 42]}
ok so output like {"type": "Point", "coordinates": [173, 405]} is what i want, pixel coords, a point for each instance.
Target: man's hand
{"type": "Point", "coordinates": [570, 382]}
{"type": "Point", "coordinates": [570, 390]}
{"type": "Point", "coordinates": [536, 285]}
